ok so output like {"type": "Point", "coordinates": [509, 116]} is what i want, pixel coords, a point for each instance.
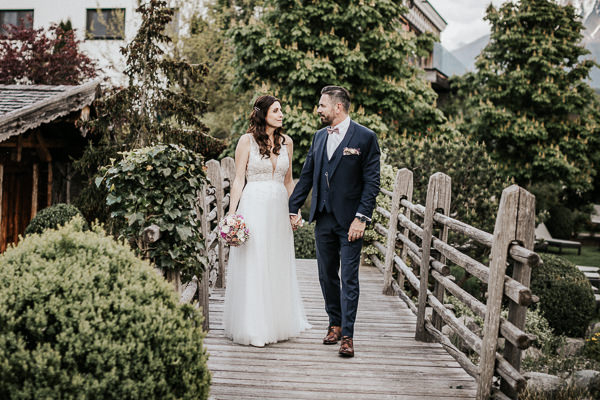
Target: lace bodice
{"type": "Point", "coordinates": [261, 169]}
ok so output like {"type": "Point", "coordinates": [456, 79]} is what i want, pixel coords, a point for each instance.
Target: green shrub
{"type": "Point", "coordinates": [159, 185]}
{"type": "Point", "coordinates": [566, 297]}
{"type": "Point", "coordinates": [561, 222]}
{"type": "Point", "coordinates": [81, 317]}
{"type": "Point", "coordinates": [388, 176]}
{"type": "Point", "coordinates": [52, 217]}
{"type": "Point", "coordinates": [592, 347]}
{"type": "Point", "coordinates": [304, 242]}
{"type": "Point", "coordinates": [538, 325]}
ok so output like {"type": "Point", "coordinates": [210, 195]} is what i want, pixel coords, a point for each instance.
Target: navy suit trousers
{"type": "Point", "coordinates": [333, 249]}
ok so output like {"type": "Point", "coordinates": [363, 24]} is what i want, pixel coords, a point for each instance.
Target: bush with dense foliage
{"type": "Point", "coordinates": [159, 185]}
{"type": "Point", "coordinates": [592, 346]}
{"type": "Point", "coordinates": [52, 217]}
{"type": "Point", "coordinates": [304, 241]}
{"type": "Point", "coordinates": [293, 51]}
{"type": "Point", "coordinates": [81, 317]}
{"type": "Point", "coordinates": [566, 297]}
{"type": "Point", "coordinates": [43, 56]}
{"type": "Point", "coordinates": [530, 100]}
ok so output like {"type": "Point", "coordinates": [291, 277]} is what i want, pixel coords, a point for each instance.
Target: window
{"type": "Point", "coordinates": [105, 23]}
{"type": "Point", "coordinates": [15, 17]}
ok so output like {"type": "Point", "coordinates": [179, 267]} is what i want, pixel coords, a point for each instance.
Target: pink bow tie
{"type": "Point", "coordinates": [333, 130]}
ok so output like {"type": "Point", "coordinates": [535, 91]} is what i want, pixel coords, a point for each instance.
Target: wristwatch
{"type": "Point", "coordinates": [364, 219]}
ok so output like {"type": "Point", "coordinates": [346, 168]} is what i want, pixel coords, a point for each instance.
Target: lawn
{"type": "Point", "coordinates": [590, 255]}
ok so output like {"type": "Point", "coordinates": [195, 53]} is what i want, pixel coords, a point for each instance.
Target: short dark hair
{"type": "Point", "coordinates": [338, 94]}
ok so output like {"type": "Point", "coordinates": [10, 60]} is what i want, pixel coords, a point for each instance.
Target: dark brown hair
{"type": "Point", "coordinates": [258, 126]}
{"type": "Point", "coordinates": [339, 95]}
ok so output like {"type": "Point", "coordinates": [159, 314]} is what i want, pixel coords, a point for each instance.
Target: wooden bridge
{"type": "Point", "coordinates": [389, 362]}
{"type": "Point", "coordinates": [402, 351]}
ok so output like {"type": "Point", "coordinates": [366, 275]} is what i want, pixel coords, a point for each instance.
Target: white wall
{"type": "Point", "coordinates": [106, 52]}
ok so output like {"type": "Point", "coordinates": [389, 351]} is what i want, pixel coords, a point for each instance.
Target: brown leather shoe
{"type": "Point", "coordinates": [347, 347]}
{"type": "Point", "coordinates": [334, 333]}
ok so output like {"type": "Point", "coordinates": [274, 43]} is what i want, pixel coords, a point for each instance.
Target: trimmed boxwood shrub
{"type": "Point", "coordinates": [52, 217]}
{"type": "Point", "coordinates": [566, 297]}
{"type": "Point", "coordinates": [81, 317]}
{"type": "Point", "coordinates": [304, 241]}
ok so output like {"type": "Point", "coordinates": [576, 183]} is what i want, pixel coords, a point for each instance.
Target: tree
{"type": "Point", "coordinates": [206, 43]}
{"type": "Point", "coordinates": [154, 107]}
{"type": "Point", "coordinates": [295, 48]}
{"type": "Point", "coordinates": [529, 100]}
{"type": "Point", "coordinates": [43, 57]}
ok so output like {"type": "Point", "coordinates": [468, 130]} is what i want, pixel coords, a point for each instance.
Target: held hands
{"type": "Point", "coordinates": [296, 220]}
{"type": "Point", "coordinates": [357, 230]}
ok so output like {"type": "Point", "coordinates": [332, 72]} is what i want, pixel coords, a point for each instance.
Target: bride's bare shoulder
{"type": "Point", "coordinates": [288, 140]}
{"type": "Point", "coordinates": [245, 139]}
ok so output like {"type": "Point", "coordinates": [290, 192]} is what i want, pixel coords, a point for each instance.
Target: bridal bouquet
{"type": "Point", "coordinates": [233, 231]}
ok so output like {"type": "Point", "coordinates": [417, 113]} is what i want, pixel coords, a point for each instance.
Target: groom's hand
{"type": "Point", "coordinates": [295, 220]}
{"type": "Point", "coordinates": [357, 230]}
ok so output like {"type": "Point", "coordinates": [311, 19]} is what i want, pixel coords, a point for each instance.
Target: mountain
{"type": "Point", "coordinates": [589, 10]}
{"type": "Point", "coordinates": [469, 52]}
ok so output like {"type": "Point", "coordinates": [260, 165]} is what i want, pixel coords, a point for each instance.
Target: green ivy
{"type": "Point", "coordinates": [159, 185]}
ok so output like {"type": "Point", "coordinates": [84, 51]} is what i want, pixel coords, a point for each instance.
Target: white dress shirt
{"type": "Point", "coordinates": [334, 139]}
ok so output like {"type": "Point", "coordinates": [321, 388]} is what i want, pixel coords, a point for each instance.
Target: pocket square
{"type": "Point", "coordinates": [349, 151]}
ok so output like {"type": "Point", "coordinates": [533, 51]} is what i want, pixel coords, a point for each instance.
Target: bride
{"type": "Point", "coordinates": [262, 299]}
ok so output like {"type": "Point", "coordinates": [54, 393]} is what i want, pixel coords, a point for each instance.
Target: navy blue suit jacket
{"type": "Point", "coordinates": [354, 180]}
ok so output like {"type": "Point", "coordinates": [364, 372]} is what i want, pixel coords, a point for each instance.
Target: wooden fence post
{"type": "Point", "coordinates": [2, 238]}
{"type": "Point", "coordinates": [403, 188]}
{"type": "Point", "coordinates": [215, 177]}
{"type": "Point", "coordinates": [203, 287]}
{"type": "Point", "coordinates": [505, 233]}
{"type": "Point", "coordinates": [443, 207]}
{"type": "Point", "coordinates": [437, 191]}
{"type": "Point", "coordinates": [34, 190]}
{"type": "Point", "coordinates": [228, 170]}
{"type": "Point", "coordinates": [525, 235]}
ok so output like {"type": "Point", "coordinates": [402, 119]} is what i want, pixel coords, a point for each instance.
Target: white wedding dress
{"type": "Point", "coordinates": [262, 299]}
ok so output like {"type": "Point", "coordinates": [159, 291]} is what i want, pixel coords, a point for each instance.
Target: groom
{"type": "Point", "coordinates": [342, 169]}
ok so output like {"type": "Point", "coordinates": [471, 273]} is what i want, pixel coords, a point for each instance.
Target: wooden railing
{"type": "Point", "coordinates": [512, 241]}
{"type": "Point", "coordinates": [212, 203]}
{"type": "Point", "coordinates": [411, 242]}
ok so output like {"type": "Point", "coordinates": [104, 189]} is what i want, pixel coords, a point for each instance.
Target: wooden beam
{"type": "Point", "coordinates": [34, 190]}
{"type": "Point", "coordinates": [30, 143]}
{"type": "Point", "coordinates": [19, 148]}
{"type": "Point", "coordinates": [42, 148]}
{"type": "Point", "coordinates": [2, 238]}
{"type": "Point", "coordinates": [49, 196]}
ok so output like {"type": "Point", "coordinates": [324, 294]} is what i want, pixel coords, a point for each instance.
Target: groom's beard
{"type": "Point", "coordinates": [326, 120]}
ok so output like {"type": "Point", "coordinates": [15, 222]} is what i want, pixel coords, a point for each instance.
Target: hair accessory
{"type": "Point", "coordinates": [256, 109]}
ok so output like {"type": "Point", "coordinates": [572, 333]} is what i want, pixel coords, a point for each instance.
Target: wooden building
{"type": "Point", "coordinates": [39, 135]}
{"type": "Point", "coordinates": [422, 17]}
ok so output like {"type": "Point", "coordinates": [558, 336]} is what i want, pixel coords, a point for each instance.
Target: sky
{"type": "Point", "coordinates": [465, 20]}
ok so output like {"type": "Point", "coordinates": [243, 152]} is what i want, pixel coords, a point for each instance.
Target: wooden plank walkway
{"type": "Point", "coordinates": [389, 363]}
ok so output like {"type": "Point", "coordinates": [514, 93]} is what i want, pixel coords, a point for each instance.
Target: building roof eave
{"type": "Point", "coordinates": [61, 101]}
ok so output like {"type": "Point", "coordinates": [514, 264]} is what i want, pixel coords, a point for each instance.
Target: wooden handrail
{"type": "Point", "coordinates": [504, 244]}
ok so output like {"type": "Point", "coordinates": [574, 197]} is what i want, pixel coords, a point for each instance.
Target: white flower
{"type": "Point", "coordinates": [230, 220]}
{"type": "Point", "coordinates": [225, 229]}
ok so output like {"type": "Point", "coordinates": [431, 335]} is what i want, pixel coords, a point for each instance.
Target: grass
{"type": "Point", "coordinates": [590, 255]}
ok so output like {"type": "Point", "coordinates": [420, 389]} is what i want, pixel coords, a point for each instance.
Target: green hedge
{"type": "Point", "coordinates": [81, 317]}
{"type": "Point", "coordinates": [566, 297]}
{"type": "Point", "coordinates": [52, 217]}
{"type": "Point", "coordinates": [304, 242]}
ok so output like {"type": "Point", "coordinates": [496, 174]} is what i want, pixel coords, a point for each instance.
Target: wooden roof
{"type": "Point", "coordinates": [24, 107]}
